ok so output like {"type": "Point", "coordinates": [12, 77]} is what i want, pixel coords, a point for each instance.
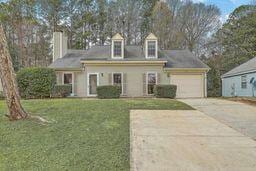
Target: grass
{"type": "Point", "coordinates": [87, 135]}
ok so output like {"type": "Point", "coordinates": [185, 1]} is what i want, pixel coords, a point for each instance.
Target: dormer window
{"type": "Point", "coordinates": [117, 48]}
{"type": "Point", "coordinates": [151, 49]}
{"type": "Point", "coordinates": [151, 46]}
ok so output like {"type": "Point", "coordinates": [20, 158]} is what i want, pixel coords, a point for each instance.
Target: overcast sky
{"type": "Point", "coordinates": [226, 6]}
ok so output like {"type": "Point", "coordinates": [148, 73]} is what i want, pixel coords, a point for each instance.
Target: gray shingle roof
{"type": "Point", "coordinates": [175, 58]}
{"type": "Point", "coordinates": [70, 61]}
{"type": "Point", "coordinates": [246, 67]}
{"type": "Point", "coordinates": [182, 59]}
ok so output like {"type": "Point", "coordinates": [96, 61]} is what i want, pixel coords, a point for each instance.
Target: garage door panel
{"type": "Point", "coordinates": [188, 85]}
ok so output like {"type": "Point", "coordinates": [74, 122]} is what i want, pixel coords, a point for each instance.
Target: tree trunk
{"type": "Point", "coordinates": [8, 79]}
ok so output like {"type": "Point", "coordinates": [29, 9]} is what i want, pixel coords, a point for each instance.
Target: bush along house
{"type": "Point", "coordinates": [135, 68]}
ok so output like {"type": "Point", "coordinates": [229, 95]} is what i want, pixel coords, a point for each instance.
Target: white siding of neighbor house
{"type": "Point", "coordinates": [236, 80]}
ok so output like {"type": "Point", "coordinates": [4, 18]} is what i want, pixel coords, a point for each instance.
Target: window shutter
{"type": "Point", "coordinates": [110, 79]}
{"type": "Point", "coordinates": [125, 84]}
{"type": "Point", "coordinates": [75, 83]}
{"type": "Point", "coordinates": [59, 78]}
{"type": "Point", "coordinates": [158, 78]}
{"type": "Point", "coordinates": [144, 84]}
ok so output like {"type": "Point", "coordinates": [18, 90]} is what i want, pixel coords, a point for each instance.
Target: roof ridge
{"type": "Point", "coordinates": [229, 73]}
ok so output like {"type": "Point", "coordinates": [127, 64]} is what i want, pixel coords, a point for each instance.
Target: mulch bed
{"type": "Point", "coordinates": [247, 100]}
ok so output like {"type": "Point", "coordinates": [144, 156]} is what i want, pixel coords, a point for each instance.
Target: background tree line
{"type": "Point", "coordinates": [29, 24]}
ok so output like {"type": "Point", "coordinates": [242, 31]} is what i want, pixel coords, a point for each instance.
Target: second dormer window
{"type": "Point", "coordinates": [117, 49]}
{"type": "Point", "coordinates": [151, 49]}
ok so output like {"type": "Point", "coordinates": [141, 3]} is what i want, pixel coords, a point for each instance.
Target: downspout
{"type": "Point", "coordinates": [205, 84]}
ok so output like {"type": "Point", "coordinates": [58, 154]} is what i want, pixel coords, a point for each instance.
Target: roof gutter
{"type": "Point", "coordinates": [67, 69]}
{"type": "Point", "coordinates": [186, 69]}
{"type": "Point", "coordinates": [239, 73]}
{"type": "Point", "coordinates": [123, 62]}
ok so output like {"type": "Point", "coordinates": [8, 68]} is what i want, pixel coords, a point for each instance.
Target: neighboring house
{"type": "Point", "coordinates": [135, 68]}
{"type": "Point", "coordinates": [240, 81]}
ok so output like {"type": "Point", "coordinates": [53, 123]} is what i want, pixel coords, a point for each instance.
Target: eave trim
{"type": "Point", "coordinates": [123, 62]}
{"type": "Point", "coordinates": [186, 69]}
{"type": "Point", "coordinates": [237, 74]}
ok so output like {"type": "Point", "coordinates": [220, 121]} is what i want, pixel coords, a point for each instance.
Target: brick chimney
{"type": "Point", "coordinates": [60, 43]}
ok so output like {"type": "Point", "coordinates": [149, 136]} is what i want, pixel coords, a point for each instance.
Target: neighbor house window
{"type": "Point", "coordinates": [117, 49]}
{"type": "Point", "coordinates": [243, 82]}
{"type": "Point", "coordinates": [151, 49]}
{"type": "Point", "coordinates": [68, 79]}
{"type": "Point", "coordinates": [118, 80]}
{"type": "Point", "coordinates": [151, 82]}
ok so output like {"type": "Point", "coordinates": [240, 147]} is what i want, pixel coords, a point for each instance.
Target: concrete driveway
{"type": "Point", "coordinates": [187, 140]}
{"type": "Point", "coordinates": [239, 116]}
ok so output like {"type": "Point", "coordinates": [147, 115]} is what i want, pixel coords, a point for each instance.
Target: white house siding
{"type": "Point", "coordinates": [80, 84]}
{"type": "Point", "coordinates": [79, 81]}
{"type": "Point", "coordinates": [134, 76]}
{"type": "Point", "coordinates": [236, 81]}
{"type": "Point", "coordinates": [135, 84]}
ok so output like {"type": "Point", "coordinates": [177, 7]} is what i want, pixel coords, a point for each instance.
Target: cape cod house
{"type": "Point", "coordinates": [135, 68]}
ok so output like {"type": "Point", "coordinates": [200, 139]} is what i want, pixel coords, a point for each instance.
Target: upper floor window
{"type": "Point", "coordinates": [117, 49]}
{"type": "Point", "coordinates": [151, 45]}
{"type": "Point", "coordinates": [243, 82]}
{"type": "Point", "coordinates": [151, 49]}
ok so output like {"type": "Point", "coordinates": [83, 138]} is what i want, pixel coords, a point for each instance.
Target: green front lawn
{"type": "Point", "coordinates": [87, 134]}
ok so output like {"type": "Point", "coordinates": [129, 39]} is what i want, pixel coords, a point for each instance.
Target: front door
{"type": "Point", "coordinates": [92, 84]}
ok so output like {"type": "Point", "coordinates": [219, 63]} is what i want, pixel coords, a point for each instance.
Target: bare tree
{"type": "Point", "coordinates": [198, 20]}
{"type": "Point", "coordinates": [16, 111]}
{"type": "Point", "coordinates": [162, 22]}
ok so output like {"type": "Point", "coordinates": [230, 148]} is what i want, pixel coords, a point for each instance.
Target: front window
{"type": "Point", "coordinates": [151, 49]}
{"type": "Point", "coordinates": [117, 49]}
{"type": "Point", "coordinates": [151, 82]}
{"type": "Point", "coordinates": [243, 82]}
{"type": "Point", "coordinates": [68, 79]}
{"type": "Point", "coordinates": [117, 80]}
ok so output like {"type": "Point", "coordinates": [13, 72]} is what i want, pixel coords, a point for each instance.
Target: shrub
{"type": "Point", "coordinates": [36, 82]}
{"type": "Point", "coordinates": [1, 95]}
{"type": "Point", "coordinates": [61, 90]}
{"type": "Point", "coordinates": [108, 92]}
{"type": "Point", "coordinates": [165, 91]}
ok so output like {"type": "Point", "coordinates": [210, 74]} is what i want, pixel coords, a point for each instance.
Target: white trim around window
{"type": "Point", "coordinates": [73, 81]}
{"type": "Point", "coordinates": [156, 52]}
{"type": "Point", "coordinates": [244, 82]}
{"type": "Point", "coordinates": [147, 81]}
{"type": "Point", "coordinates": [122, 49]}
{"type": "Point", "coordinates": [122, 75]}
{"type": "Point", "coordinates": [88, 83]}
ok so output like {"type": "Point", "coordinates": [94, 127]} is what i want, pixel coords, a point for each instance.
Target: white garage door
{"type": "Point", "coordinates": [188, 85]}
